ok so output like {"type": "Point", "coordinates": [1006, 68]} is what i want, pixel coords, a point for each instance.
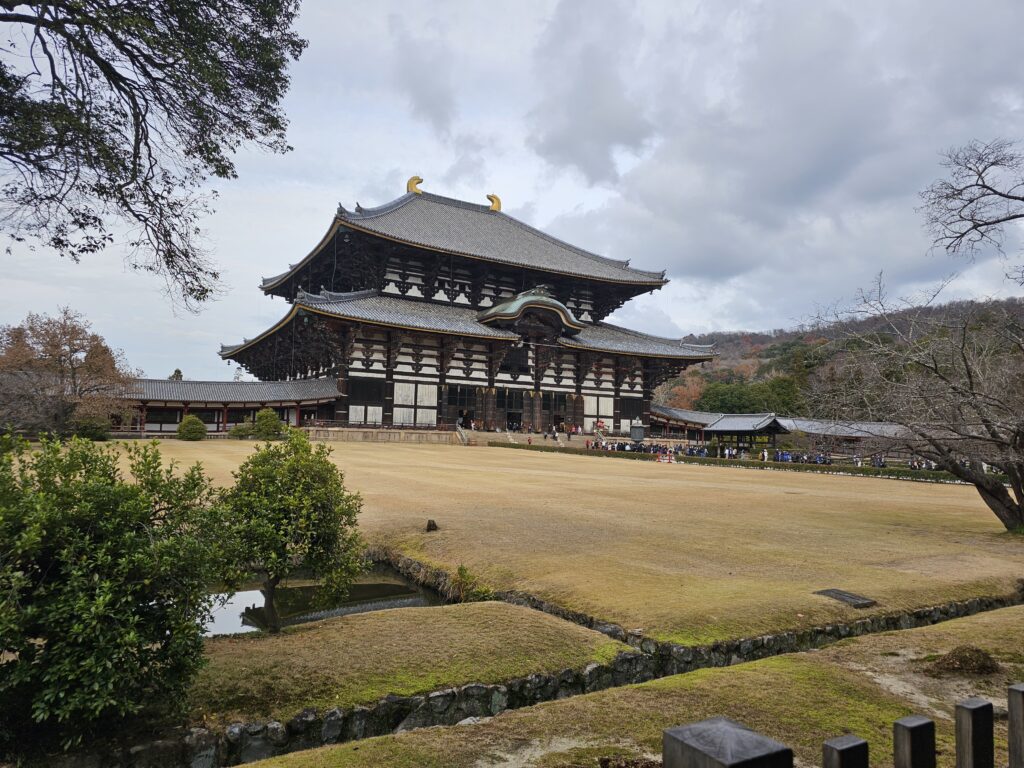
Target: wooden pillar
{"type": "Point", "coordinates": [490, 405]}
{"type": "Point", "coordinates": [298, 414]}
{"type": "Point", "coordinates": [341, 403]}
{"type": "Point", "coordinates": [224, 417]}
{"type": "Point", "coordinates": [142, 419]}
{"type": "Point", "coordinates": [387, 418]}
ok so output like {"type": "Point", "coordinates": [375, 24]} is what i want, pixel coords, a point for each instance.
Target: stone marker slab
{"type": "Point", "coordinates": [722, 743]}
{"type": "Point", "coordinates": [857, 601]}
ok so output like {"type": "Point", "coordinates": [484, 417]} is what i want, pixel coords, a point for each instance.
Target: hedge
{"type": "Point", "coordinates": [897, 473]}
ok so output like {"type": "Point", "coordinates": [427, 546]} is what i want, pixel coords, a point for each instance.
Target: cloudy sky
{"type": "Point", "coordinates": [767, 154]}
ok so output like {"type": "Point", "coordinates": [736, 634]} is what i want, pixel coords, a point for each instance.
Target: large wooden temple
{"type": "Point", "coordinates": [429, 311]}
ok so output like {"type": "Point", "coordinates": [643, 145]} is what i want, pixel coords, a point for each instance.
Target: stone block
{"type": "Point", "coordinates": [721, 743]}
{"type": "Point", "coordinates": [333, 726]}
{"type": "Point", "coordinates": [201, 748]}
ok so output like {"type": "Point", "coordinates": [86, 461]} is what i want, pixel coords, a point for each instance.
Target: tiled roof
{"type": "Point", "coordinates": [382, 309]}
{"type": "Point", "coordinates": [604, 337]}
{"type": "Point", "coordinates": [168, 390]}
{"type": "Point", "coordinates": [685, 415]}
{"type": "Point", "coordinates": [741, 422]}
{"type": "Point", "coordinates": [753, 422]}
{"type": "Point", "coordinates": [467, 229]}
{"type": "Point", "coordinates": [397, 312]}
{"type": "Point", "coordinates": [842, 428]}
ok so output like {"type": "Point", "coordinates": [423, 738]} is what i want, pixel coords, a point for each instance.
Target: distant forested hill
{"type": "Point", "coordinates": [758, 371]}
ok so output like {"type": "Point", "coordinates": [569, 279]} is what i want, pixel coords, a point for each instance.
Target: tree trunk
{"type": "Point", "coordinates": [998, 499]}
{"type": "Point", "coordinates": [270, 613]}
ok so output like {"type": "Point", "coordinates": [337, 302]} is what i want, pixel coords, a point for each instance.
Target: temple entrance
{"type": "Point", "coordinates": [513, 421]}
{"type": "Point", "coordinates": [466, 418]}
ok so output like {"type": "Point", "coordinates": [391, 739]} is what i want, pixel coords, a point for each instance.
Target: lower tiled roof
{"type": "Point", "coordinates": [383, 309]}
{"type": "Point", "coordinates": [397, 312]}
{"type": "Point", "coordinates": [168, 390]}
{"type": "Point", "coordinates": [605, 337]}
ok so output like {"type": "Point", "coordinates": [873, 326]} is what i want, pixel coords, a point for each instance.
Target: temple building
{"type": "Point", "coordinates": [428, 311]}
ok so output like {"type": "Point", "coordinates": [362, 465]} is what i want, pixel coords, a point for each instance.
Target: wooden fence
{"type": "Point", "coordinates": [721, 742]}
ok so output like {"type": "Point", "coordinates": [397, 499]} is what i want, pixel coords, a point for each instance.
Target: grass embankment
{"type": "Point", "coordinates": [858, 686]}
{"type": "Point", "coordinates": [360, 658]}
{"type": "Point", "coordinates": [688, 553]}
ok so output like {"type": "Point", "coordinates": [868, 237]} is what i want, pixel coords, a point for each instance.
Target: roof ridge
{"type": "Point", "coordinates": [378, 210]}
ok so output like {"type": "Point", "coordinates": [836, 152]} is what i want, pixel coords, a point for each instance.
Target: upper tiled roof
{"type": "Point", "coordinates": [467, 229]}
{"type": "Point", "coordinates": [168, 390]}
{"type": "Point", "coordinates": [604, 337]}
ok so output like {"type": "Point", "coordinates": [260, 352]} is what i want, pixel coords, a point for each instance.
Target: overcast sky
{"type": "Point", "coordinates": [767, 154]}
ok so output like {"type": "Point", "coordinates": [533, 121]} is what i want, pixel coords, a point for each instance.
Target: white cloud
{"type": "Point", "coordinates": [768, 155]}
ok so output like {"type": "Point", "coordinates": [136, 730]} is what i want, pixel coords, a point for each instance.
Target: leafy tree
{"type": "Point", "coordinates": [982, 194]}
{"type": "Point", "coordinates": [292, 512]}
{"type": "Point", "coordinates": [177, 375]}
{"type": "Point", "coordinates": [119, 110]}
{"type": "Point", "coordinates": [780, 394]}
{"type": "Point", "coordinates": [191, 428]}
{"type": "Point", "coordinates": [268, 426]}
{"type": "Point", "coordinates": [103, 586]}
{"type": "Point", "coordinates": [55, 372]}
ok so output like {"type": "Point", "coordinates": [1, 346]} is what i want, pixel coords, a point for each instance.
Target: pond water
{"type": "Point", "coordinates": [380, 588]}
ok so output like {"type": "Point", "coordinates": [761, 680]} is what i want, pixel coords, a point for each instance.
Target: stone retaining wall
{"type": "Point", "coordinates": [247, 742]}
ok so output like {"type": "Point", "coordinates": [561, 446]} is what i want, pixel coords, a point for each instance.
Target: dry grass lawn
{"type": "Point", "coordinates": [800, 700]}
{"type": "Point", "coordinates": [688, 553]}
{"type": "Point", "coordinates": [360, 658]}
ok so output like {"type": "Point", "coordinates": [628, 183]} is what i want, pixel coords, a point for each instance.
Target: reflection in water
{"type": "Point", "coordinates": [380, 588]}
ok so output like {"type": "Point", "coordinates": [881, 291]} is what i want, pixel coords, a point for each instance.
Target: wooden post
{"type": "Point", "coordinates": [913, 742]}
{"type": "Point", "coordinates": [974, 737]}
{"type": "Point", "coordinates": [1015, 724]}
{"type": "Point", "coordinates": [721, 743]}
{"type": "Point", "coordinates": [224, 418]}
{"type": "Point", "coordinates": [845, 752]}
{"type": "Point", "coordinates": [298, 414]}
{"type": "Point", "coordinates": [142, 419]}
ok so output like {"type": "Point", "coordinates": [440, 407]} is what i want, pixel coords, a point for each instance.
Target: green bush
{"type": "Point", "coordinates": [191, 428]}
{"type": "Point", "coordinates": [92, 429]}
{"type": "Point", "coordinates": [241, 431]}
{"type": "Point", "coordinates": [267, 425]}
{"type": "Point", "coordinates": [103, 588]}
{"type": "Point", "coordinates": [291, 512]}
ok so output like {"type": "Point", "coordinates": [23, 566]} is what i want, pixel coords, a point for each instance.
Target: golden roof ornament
{"type": "Point", "coordinates": [495, 202]}
{"type": "Point", "coordinates": [413, 185]}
